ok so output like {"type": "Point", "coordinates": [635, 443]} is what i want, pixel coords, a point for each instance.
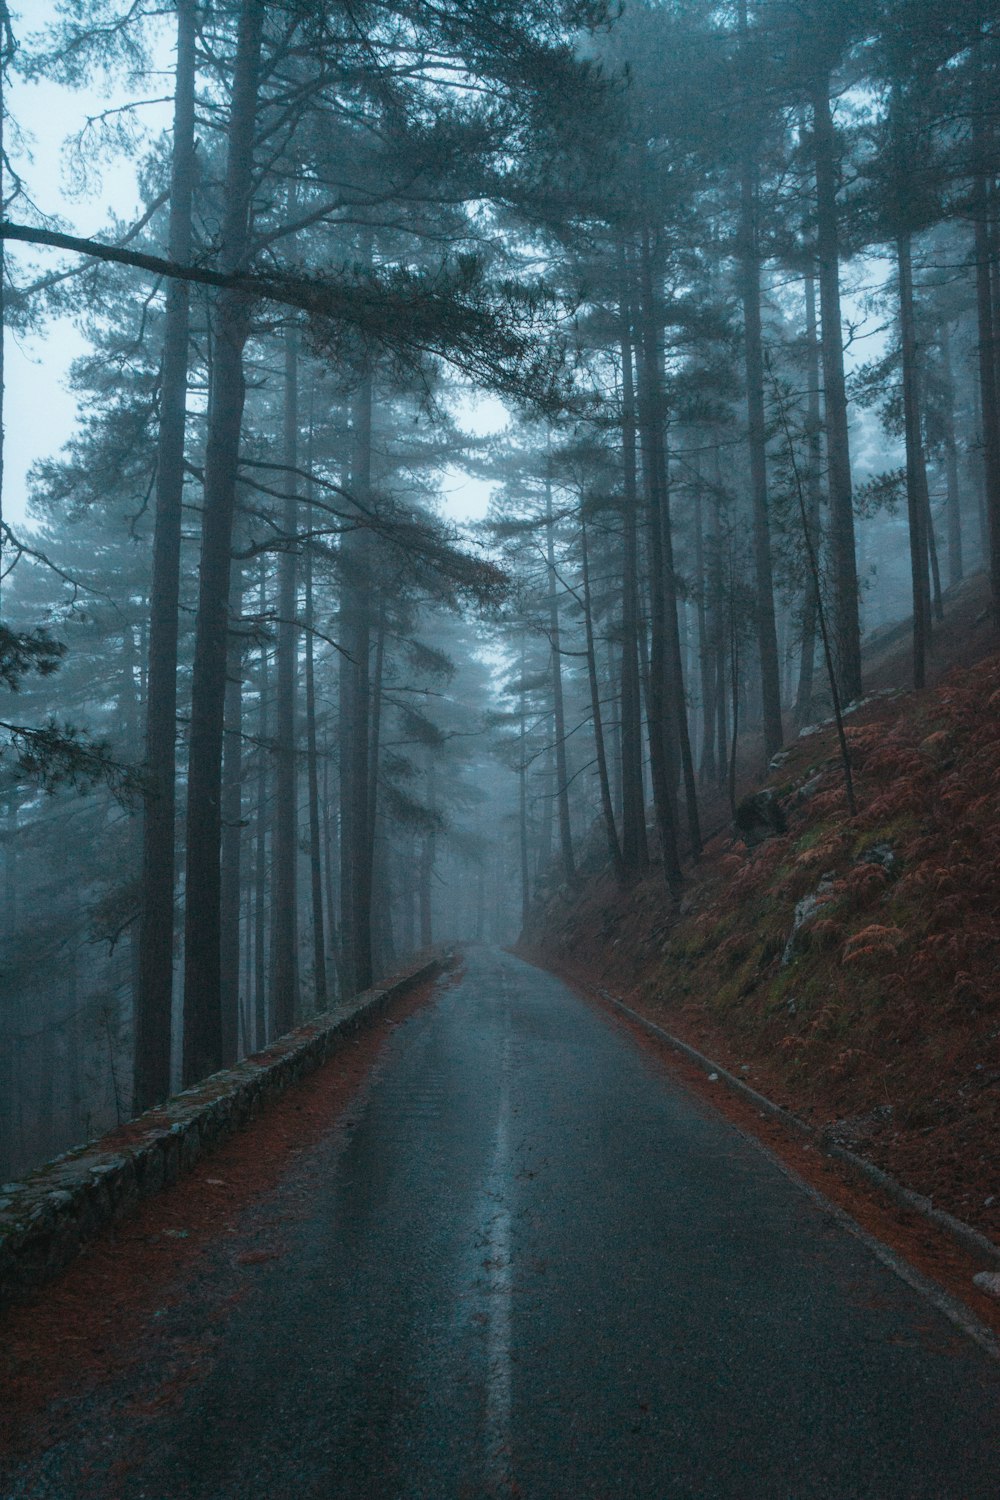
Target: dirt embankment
{"type": "Point", "coordinates": [849, 969]}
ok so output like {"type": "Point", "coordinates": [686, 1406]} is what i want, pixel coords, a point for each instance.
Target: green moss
{"type": "Point", "coordinates": [811, 837]}
{"type": "Point", "coordinates": [896, 831]}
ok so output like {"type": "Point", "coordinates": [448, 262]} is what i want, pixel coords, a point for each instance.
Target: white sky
{"type": "Point", "coordinates": [40, 410]}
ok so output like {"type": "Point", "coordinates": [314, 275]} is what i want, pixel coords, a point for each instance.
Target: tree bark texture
{"type": "Point", "coordinates": [355, 722]}
{"type": "Point", "coordinates": [986, 317]}
{"type": "Point", "coordinates": [284, 878]}
{"type": "Point", "coordinates": [767, 635]}
{"type": "Point", "coordinates": [558, 704]}
{"type": "Point", "coordinates": [315, 837]}
{"type": "Point", "coordinates": [635, 853]}
{"type": "Point", "coordinates": [151, 1079]}
{"type": "Point", "coordinates": [231, 323]}
{"type": "Point", "coordinates": [232, 832]}
{"type": "Point", "coordinates": [917, 499]}
{"type": "Point", "coordinates": [843, 561]}
{"type": "Point", "coordinates": [607, 805]}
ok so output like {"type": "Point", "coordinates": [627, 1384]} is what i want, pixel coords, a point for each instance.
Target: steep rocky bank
{"type": "Point", "coordinates": [849, 967]}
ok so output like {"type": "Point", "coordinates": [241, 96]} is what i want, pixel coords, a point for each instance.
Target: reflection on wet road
{"type": "Point", "coordinates": [536, 1267]}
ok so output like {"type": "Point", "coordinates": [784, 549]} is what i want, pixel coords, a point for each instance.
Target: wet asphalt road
{"type": "Point", "coordinates": [536, 1267]}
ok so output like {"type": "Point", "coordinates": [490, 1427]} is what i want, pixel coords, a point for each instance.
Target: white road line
{"type": "Point", "coordinates": [498, 1288]}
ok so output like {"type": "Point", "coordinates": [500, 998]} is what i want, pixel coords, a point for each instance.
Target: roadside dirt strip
{"type": "Point", "coordinates": [48, 1217]}
{"type": "Point", "coordinates": [951, 1263]}
{"type": "Point", "coordinates": [969, 1238]}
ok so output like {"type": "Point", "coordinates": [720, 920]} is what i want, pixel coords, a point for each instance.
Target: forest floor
{"type": "Point", "coordinates": [879, 1020]}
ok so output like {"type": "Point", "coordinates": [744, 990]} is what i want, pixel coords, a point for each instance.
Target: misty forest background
{"type": "Point", "coordinates": [273, 720]}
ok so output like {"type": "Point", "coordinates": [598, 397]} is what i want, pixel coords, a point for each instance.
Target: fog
{"type": "Point", "coordinates": [445, 461]}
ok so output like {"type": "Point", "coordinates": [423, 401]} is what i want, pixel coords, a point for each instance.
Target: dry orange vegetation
{"type": "Point", "coordinates": [884, 1023]}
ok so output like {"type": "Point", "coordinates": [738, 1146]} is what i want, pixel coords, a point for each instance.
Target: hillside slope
{"type": "Point", "coordinates": [851, 967]}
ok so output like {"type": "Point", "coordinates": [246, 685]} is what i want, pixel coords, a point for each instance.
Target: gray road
{"type": "Point", "coordinates": [535, 1267]}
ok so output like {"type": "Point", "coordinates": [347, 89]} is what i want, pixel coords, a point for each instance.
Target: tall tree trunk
{"type": "Point", "coordinates": [932, 552]}
{"type": "Point", "coordinates": [706, 663]}
{"type": "Point", "coordinates": [260, 982]}
{"type": "Point", "coordinates": [522, 801]}
{"type": "Point", "coordinates": [355, 726]}
{"type": "Point", "coordinates": [734, 684]}
{"type": "Point", "coordinates": [232, 818]}
{"type": "Point", "coordinates": [331, 857]}
{"type": "Point", "coordinates": [408, 891]}
{"type": "Point", "coordinates": [151, 1079]}
{"type": "Point", "coordinates": [128, 698]}
{"type": "Point", "coordinates": [673, 664]}
{"type": "Point", "coordinates": [231, 323]}
{"type": "Point", "coordinates": [8, 47]}
{"type": "Point", "coordinates": [750, 274]}
{"type": "Point", "coordinates": [558, 706]}
{"type": "Point", "coordinates": [953, 501]}
{"type": "Point", "coordinates": [548, 816]}
{"type": "Point", "coordinates": [982, 152]}
{"type": "Point", "coordinates": [810, 598]}
{"type": "Point", "coordinates": [312, 753]}
{"type": "Point", "coordinates": [613, 677]}
{"type": "Point", "coordinates": [843, 562]}
{"type": "Point", "coordinates": [375, 848]}
{"type": "Point", "coordinates": [675, 667]}
{"type": "Point", "coordinates": [284, 879]}
{"type": "Point", "coordinates": [662, 725]}
{"type": "Point", "coordinates": [767, 637]}
{"type": "Point", "coordinates": [720, 618]}
{"type": "Point", "coordinates": [427, 855]}
{"type": "Point", "coordinates": [607, 806]}
{"type": "Point", "coordinates": [375, 727]}
{"type": "Point", "coordinates": [664, 808]}
{"type": "Point", "coordinates": [635, 853]}
{"type": "Point", "coordinates": [917, 505]}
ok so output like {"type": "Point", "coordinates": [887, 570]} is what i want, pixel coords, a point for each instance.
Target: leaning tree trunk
{"type": "Point", "coordinates": [151, 1081]}
{"type": "Point", "coordinates": [231, 326]}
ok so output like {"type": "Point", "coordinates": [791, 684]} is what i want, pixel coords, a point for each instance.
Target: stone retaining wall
{"type": "Point", "coordinates": [47, 1218]}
